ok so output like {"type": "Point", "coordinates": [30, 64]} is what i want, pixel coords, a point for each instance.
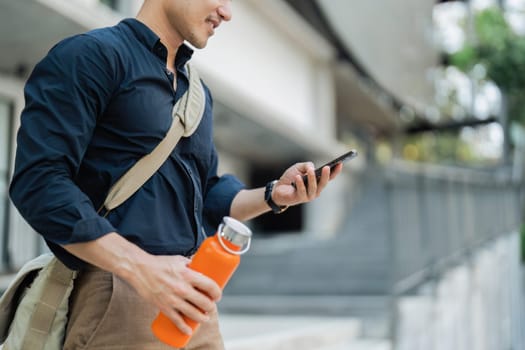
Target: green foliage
{"type": "Point", "coordinates": [517, 106]}
{"type": "Point", "coordinates": [502, 53]}
{"type": "Point", "coordinates": [492, 29]}
{"type": "Point", "coordinates": [465, 58]}
{"type": "Point", "coordinates": [498, 48]}
{"type": "Point", "coordinates": [506, 66]}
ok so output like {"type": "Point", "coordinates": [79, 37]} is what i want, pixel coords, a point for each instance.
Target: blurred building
{"type": "Point", "coordinates": [297, 80]}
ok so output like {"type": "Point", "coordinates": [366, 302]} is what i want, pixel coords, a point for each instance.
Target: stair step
{"type": "Point", "coordinates": [241, 332]}
{"type": "Point", "coordinates": [342, 306]}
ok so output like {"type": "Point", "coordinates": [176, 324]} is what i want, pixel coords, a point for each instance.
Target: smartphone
{"type": "Point", "coordinates": [332, 164]}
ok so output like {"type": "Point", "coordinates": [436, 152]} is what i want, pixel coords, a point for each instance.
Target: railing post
{"type": "Point", "coordinates": [393, 315]}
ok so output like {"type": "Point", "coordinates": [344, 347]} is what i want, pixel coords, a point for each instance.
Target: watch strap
{"type": "Point", "coordinates": [277, 209]}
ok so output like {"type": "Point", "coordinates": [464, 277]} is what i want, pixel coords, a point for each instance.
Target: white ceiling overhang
{"type": "Point", "coordinates": [29, 28]}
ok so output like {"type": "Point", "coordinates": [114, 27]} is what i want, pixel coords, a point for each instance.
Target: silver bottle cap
{"type": "Point", "coordinates": [236, 233]}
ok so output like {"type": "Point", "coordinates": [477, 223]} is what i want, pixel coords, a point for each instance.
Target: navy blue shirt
{"type": "Point", "coordinates": [95, 105]}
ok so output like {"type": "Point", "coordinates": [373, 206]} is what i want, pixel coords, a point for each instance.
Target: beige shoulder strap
{"type": "Point", "coordinates": [49, 307]}
{"type": "Point", "coordinates": [187, 114]}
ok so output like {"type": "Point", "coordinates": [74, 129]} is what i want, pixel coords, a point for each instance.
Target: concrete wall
{"type": "Point", "coordinates": [268, 68]}
{"type": "Point", "coordinates": [478, 305]}
{"type": "Point", "coordinates": [393, 40]}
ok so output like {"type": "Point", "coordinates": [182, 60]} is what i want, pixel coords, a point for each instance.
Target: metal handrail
{"type": "Point", "coordinates": [440, 213]}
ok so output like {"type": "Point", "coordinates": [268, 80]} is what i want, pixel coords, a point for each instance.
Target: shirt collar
{"type": "Point", "coordinates": [151, 40]}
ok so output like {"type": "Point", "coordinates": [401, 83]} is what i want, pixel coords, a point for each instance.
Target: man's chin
{"type": "Point", "coordinates": [199, 44]}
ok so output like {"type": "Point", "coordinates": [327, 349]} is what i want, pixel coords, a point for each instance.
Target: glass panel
{"type": "Point", "coordinates": [4, 164]}
{"type": "Point", "coordinates": [3, 212]}
{"type": "Point", "coordinates": [4, 139]}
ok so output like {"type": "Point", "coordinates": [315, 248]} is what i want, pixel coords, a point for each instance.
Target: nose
{"type": "Point", "coordinates": [225, 10]}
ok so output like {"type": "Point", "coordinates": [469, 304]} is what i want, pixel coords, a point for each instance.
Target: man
{"type": "Point", "coordinates": [96, 104]}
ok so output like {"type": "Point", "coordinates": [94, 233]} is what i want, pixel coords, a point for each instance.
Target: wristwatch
{"type": "Point", "coordinates": [277, 209]}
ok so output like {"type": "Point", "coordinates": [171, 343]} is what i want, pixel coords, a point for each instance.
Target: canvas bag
{"type": "Point", "coordinates": [43, 286]}
{"type": "Point", "coordinates": [34, 307]}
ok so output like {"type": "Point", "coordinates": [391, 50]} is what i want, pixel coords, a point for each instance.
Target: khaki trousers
{"type": "Point", "coordinates": [106, 313]}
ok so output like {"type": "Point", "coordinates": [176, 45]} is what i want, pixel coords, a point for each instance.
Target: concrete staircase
{"type": "Point", "coordinates": [307, 293]}
{"type": "Point", "coordinates": [353, 263]}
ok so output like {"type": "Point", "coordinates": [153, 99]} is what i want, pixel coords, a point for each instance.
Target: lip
{"type": "Point", "coordinates": [214, 22]}
{"type": "Point", "coordinates": [211, 29]}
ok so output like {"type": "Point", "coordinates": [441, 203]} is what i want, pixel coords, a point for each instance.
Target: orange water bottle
{"type": "Point", "coordinates": [217, 258]}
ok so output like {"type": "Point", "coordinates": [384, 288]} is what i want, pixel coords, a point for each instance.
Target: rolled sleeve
{"type": "Point", "coordinates": [218, 200]}
{"type": "Point", "coordinates": [92, 228]}
{"type": "Point", "coordinates": [65, 94]}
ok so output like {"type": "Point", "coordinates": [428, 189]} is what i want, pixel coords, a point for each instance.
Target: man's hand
{"type": "Point", "coordinates": [164, 281]}
{"type": "Point", "coordinates": [285, 193]}
{"type": "Point", "coordinates": [176, 289]}
{"type": "Point", "coordinates": [248, 204]}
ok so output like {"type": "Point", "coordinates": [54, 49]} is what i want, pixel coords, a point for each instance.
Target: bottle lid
{"type": "Point", "coordinates": [236, 233]}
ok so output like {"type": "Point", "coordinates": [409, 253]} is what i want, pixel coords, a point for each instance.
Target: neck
{"type": "Point", "coordinates": [160, 26]}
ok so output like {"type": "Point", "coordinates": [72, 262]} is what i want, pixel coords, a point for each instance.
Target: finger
{"type": "Point", "coordinates": [298, 169]}
{"type": "Point", "coordinates": [336, 171]}
{"type": "Point", "coordinates": [200, 300]}
{"type": "Point", "coordinates": [204, 284]}
{"type": "Point", "coordinates": [304, 167]}
{"type": "Point", "coordinates": [323, 180]}
{"type": "Point", "coordinates": [312, 184]}
{"type": "Point", "coordinates": [299, 185]}
{"type": "Point", "coordinates": [178, 320]}
{"type": "Point", "coordinates": [192, 311]}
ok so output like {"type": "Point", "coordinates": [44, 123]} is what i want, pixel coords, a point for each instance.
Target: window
{"type": "Point", "coordinates": [5, 150]}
